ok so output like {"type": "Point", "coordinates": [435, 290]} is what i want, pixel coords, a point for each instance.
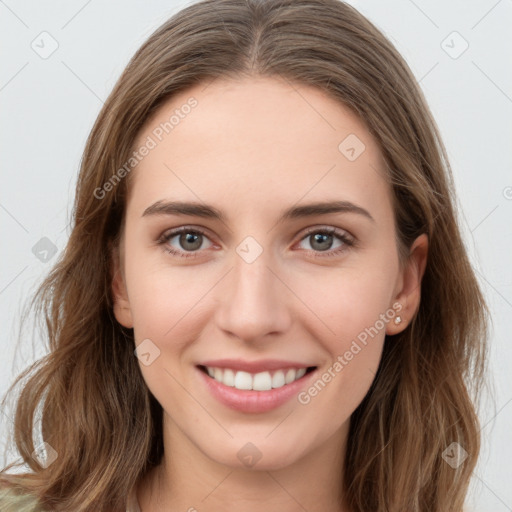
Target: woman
{"type": "Point", "coordinates": [265, 299]}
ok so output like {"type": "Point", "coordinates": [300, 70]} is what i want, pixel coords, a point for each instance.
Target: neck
{"type": "Point", "coordinates": [188, 480]}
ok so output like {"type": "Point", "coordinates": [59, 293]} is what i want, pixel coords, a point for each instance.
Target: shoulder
{"type": "Point", "coordinates": [11, 501]}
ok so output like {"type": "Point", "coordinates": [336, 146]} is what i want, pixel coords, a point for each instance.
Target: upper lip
{"type": "Point", "coordinates": [255, 366]}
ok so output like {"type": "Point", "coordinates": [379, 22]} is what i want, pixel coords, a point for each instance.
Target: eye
{"type": "Point", "coordinates": [331, 241]}
{"type": "Point", "coordinates": [187, 242]}
{"type": "Point", "coordinates": [184, 240]}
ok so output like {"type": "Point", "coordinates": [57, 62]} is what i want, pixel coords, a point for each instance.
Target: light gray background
{"type": "Point", "coordinates": [48, 107]}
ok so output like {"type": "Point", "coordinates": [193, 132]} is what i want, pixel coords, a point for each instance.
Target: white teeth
{"type": "Point", "coordinates": [243, 380]}
{"type": "Point", "coordinates": [290, 376]}
{"type": "Point", "coordinates": [229, 378]}
{"type": "Point", "coordinates": [300, 373]}
{"type": "Point", "coordinates": [278, 379]}
{"type": "Point", "coordinates": [262, 381]}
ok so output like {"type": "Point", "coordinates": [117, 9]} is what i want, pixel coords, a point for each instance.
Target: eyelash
{"type": "Point", "coordinates": [341, 235]}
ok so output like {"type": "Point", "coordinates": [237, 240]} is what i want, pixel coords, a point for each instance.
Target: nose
{"type": "Point", "coordinates": [253, 301]}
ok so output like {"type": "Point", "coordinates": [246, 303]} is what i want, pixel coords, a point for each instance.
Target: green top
{"type": "Point", "coordinates": [12, 502]}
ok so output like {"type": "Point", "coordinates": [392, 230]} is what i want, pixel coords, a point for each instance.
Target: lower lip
{"type": "Point", "coordinates": [251, 401]}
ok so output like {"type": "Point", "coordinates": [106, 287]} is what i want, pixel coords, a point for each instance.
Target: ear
{"type": "Point", "coordinates": [409, 293]}
{"type": "Point", "coordinates": [122, 310]}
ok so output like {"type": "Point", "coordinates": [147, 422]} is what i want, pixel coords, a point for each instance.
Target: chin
{"type": "Point", "coordinates": [261, 455]}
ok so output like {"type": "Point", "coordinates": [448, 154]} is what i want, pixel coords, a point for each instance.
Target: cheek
{"type": "Point", "coordinates": [354, 355]}
{"type": "Point", "coordinates": [354, 308]}
{"type": "Point", "coordinates": [168, 309]}
{"type": "Point", "coordinates": [346, 302]}
{"type": "Point", "coordinates": [161, 297]}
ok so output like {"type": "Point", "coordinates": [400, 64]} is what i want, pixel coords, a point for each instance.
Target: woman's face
{"type": "Point", "coordinates": [286, 262]}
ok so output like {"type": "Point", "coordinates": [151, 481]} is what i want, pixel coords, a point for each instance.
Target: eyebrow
{"type": "Point", "coordinates": [295, 212]}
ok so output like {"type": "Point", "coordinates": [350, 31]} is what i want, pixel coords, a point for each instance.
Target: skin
{"type": "Point", "coordinates": [252, 148]}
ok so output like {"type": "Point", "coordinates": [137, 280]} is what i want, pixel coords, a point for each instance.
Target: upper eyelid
{"type": "Point", "coordinates": [331, 229]}
{"type": "Point", "coordinates": [172, 232]}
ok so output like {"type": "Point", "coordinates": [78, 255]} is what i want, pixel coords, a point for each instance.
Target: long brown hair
{"type": "Point", "coordinates": [89, 386]}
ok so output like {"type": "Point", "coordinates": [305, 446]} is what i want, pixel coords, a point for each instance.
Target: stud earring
{"type": "Point", "coordinates": [398, 320]}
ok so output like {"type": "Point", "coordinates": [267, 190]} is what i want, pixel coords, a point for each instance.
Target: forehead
{"type": "Point", "coordinates": [258, 139]}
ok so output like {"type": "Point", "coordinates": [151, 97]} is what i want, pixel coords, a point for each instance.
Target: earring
{"type": "Point", "coordinates": [398, 320]}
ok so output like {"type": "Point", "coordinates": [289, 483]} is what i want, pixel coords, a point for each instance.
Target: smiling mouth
{"type": "Point", "coordinates": [261, 381]}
